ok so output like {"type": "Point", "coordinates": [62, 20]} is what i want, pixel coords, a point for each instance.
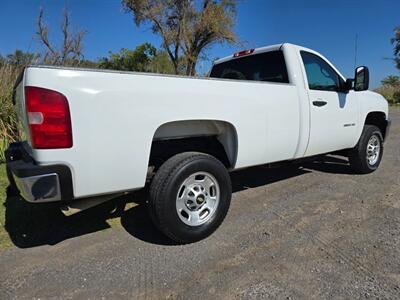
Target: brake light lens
{"type": "Point", "coordinates": [244, 52]}
{"type": "Point", "coordinates": [49, 118]}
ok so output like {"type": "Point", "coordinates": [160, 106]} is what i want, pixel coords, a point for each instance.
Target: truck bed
{"type": "Point", "coordinates": [116, 115]}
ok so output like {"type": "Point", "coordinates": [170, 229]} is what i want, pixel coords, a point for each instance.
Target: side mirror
{"type": "Point", "coordinates": [348, 85]}
{"type": "Point", "coordinates": [361, 79]}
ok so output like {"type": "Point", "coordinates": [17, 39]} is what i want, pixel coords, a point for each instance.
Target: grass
{"type": "Point", "coordinates": [4, 238]}
{"type": "Point", "coordinates": [8, 120]}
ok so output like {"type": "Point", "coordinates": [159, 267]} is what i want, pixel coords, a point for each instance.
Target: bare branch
{"type": "Point", "coordinates": [42, 34]}
{"type": "Point", "coordinates": [66, 42]}
{"type": "Point", "coordinates": [70, 52]}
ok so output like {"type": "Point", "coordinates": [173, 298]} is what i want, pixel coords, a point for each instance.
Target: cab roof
{"type": "Point", "coordinates": [256, 50]}
{"type": "Point", "coordinates": [274, 48]}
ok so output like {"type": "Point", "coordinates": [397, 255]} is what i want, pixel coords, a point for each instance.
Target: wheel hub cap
{"type": "Point", "coordinates": [373, 150]}
{"type": "Point", "coordinates": [197, 198]}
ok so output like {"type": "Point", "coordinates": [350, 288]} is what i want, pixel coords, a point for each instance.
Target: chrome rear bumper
{"type": "Point", "coordinates": [38, 183]}
{"type": "Point", "coordinates": [39, 188]}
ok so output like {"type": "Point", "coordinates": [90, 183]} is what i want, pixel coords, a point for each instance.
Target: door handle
{"type": "Point", "coordinates": [319, 103]}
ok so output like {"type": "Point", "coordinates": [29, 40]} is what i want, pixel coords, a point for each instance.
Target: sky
{"type": "Point", "coordinates": [329, 27]}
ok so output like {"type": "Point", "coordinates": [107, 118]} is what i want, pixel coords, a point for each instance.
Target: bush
{"type": "Point", "coordinates": [8, 120]}
{"type": "Point", "coordinates": [391, 93]}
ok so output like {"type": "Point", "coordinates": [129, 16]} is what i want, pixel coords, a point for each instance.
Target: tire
{"type": "Point", "coordinates": [360, 161]}
{"type": "Point", "coordinates": [185, 176]}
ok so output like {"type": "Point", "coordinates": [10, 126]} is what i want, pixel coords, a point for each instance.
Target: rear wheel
{"type": "Point", "coordinates": [190, 196]}
{"type": "Point", "coordinates": [367, 155]}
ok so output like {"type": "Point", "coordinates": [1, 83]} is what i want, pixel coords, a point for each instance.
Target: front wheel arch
{"type": "Point", "coordinates": [378, 119]}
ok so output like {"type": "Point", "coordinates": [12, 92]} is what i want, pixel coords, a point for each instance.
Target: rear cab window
{"type": "Point", "coordinates": [267, 66]}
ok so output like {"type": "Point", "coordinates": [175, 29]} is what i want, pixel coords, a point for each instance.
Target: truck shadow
{"type": "Point", "coordinates": [30, 225]}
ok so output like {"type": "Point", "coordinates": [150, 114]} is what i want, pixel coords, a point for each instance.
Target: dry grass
{"type": "Point", "coordinates": [391, 93]}
{"type": "Point", "coordinates": [8, 120]}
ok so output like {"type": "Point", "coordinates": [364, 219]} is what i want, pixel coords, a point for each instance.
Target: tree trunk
{"type": "Point", "coordinates": [175, 64]}
{"type": "Point", "coordinates": [191, 66]}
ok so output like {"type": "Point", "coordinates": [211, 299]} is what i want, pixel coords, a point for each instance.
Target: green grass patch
{"type": "Point", "coordinates": [4, 238]}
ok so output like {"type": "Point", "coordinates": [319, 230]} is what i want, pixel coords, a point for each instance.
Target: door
{"type": "Point", "coordinates": [333, 112]}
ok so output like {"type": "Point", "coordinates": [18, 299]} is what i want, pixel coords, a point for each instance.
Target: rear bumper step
{"type": "Point", "coordinates": [38, 183]}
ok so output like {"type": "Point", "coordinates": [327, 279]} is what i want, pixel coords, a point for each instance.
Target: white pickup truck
{"type": "Point", "coordinates": [91, 133]}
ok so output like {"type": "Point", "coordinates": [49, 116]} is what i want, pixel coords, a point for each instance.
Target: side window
{"type": "Point", "coordinates": [320, 74]}
{"type": "Point", "coordinates": [267, 66]}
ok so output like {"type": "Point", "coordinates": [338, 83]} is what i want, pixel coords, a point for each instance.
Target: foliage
{"type": "Point", "coordinates": [8, 120]}
{"type": "Point", "coordinates": [20, 58]}
{"type": "Point", "coordinates": [130, 60]}
{"type": "Point", "coordinates": [391, 80]}
{"type": "Point", "coordinates": [10, 67]}
{"type": "Point", "coordinates": [71, 51]}
{"type": "Point", "coordinates": [391, 94]}
{"type": "Point", "coordinates": [396, 42]}
{"type": "Point", "coordinates": [187, 27]}
{"type": "Point", "coordinates": [86, 63]}
{"type": "Point", "coordinates": [390, 89]}
{"type": "Point", "coordinates": [144, 58]}
{"type": "Point", "coordinates": [161, 63]}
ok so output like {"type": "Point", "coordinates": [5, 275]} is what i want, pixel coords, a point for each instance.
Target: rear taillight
{"type": "Point", "coordinates": [49, 118]}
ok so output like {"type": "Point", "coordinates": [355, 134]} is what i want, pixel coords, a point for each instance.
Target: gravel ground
{"type": "Point", "coordinates": [313, 231]}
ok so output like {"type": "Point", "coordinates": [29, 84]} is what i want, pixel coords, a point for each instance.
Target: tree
{"type": "Point", "coordinates": [161, 63]}
{"type": "Point", "coordinates": [391, 80]}
{"type": "Point", "coordinates": [130, 60]}
{"type": "Point", "coordinates": [390, 89]}
{"type": "Point", "coordinates": [187, 27]}
{"type": "Point", "coordinates": [70, 52]}
{"type": "Point", "coordinates": [144, 58]}
{"type": "Point", "coordinates": [396, 42]}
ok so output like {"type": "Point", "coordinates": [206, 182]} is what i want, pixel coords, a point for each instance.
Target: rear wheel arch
{"type": "Point", "coordinates": [214, 137]}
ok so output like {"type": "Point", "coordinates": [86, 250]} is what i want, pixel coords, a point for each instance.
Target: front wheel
{"type": "Point", "coordinates": [367, 155]}
{"type": "Point", "coordinates": [190, 196]}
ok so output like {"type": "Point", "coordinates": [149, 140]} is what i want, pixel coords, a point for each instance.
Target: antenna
{"type": "Point", "coordinates": [355, 50]}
